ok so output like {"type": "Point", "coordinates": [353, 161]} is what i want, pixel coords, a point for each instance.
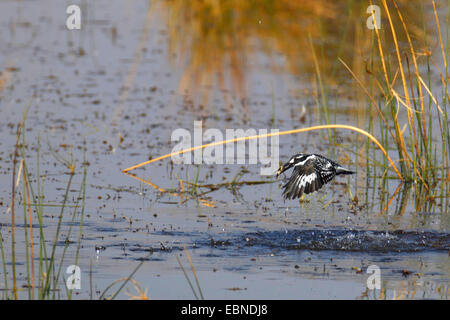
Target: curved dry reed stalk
{"type": "Point", "coordinates": [281, 133]}
{"type": "Point", "coordinates": [203, 202]}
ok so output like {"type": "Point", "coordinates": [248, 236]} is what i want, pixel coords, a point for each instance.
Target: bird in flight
{"type": "Point", "coordinates": [311, 172]}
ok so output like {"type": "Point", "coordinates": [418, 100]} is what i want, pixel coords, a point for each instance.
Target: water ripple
{"type": "Point", "coordinates": [349, 240]}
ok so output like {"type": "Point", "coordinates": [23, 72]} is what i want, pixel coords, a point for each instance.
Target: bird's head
{"type": "Point", "coordinates": [290, 163]}
{"type": "Point", "coordinates": [284, 167]}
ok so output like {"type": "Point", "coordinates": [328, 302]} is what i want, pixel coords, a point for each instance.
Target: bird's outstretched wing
{"type": "Point", "coordinates": [305, 178]}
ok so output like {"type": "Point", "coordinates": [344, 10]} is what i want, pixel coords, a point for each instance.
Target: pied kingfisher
{"type": "Point", "coordinates": [311, 172]}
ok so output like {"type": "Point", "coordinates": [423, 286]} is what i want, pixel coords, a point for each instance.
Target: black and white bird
{"type": "Point", "coordinates": [311, 172]}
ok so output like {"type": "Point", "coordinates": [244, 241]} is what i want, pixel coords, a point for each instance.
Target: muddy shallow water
{"type": "Point", "coordinates": [252, 243]}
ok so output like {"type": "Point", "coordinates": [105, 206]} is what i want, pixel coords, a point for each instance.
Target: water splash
{"type": "Point", "coordinates": [349, 240]}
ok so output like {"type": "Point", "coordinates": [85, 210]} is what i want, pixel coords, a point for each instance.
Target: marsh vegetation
{"type": "Point", "coordinates": [78, 108]}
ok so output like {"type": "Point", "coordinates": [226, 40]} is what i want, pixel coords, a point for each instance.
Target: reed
{"type": "Point", "coordinates": [214, 41]}
{"type": "Point", "coordinates": [416, 153]}
{"type": "Point", "coordinates": [43, 282]}
{"type": "Point", "coordinates": [391, 70]}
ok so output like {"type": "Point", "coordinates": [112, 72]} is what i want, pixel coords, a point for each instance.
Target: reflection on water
{"type": "Point", "coordinates": [247, 230]}
{"type": "Point", "coordinates": [324, 45]}
{"type": "Point", "coordinates": [218, 42]}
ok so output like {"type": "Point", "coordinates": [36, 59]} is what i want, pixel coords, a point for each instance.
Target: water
{"type": "Point", "coordinates": [252, 244]}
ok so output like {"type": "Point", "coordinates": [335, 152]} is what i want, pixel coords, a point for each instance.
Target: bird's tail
{"type": "Point", "coordinates": [342, 170]}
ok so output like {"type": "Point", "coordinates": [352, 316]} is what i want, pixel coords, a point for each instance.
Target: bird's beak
{"type": "Point", "coordinates": [280, 170]}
